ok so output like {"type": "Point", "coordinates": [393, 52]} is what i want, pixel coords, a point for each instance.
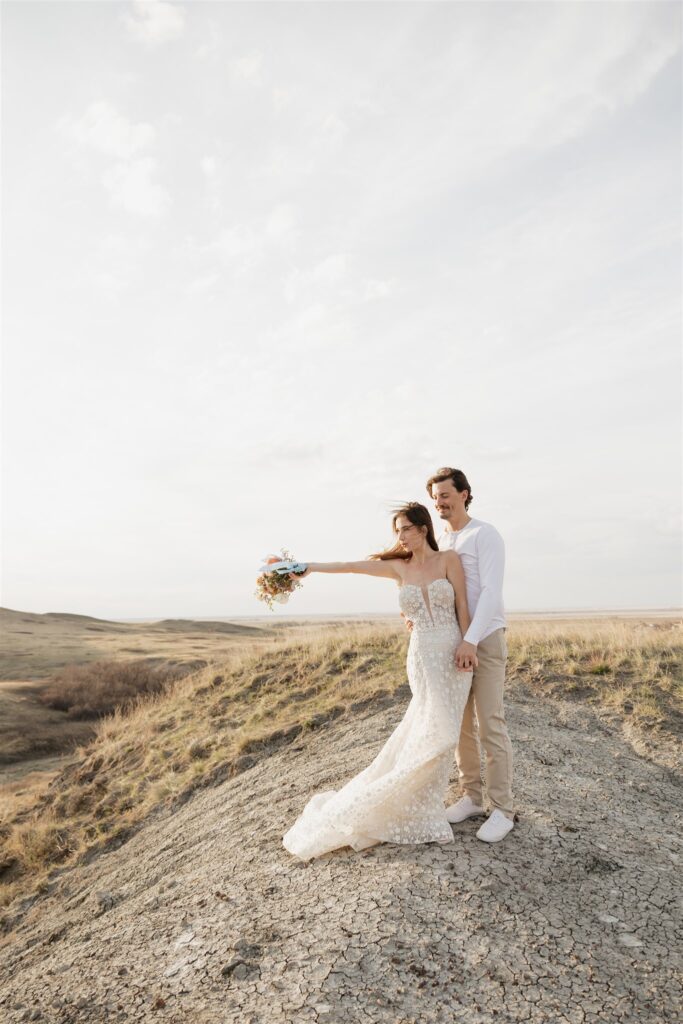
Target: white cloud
{"type": "Point", "coordinates": [153, 22]}
{"type": "Point", "coordinates": [238, 246]}
{"type": "Point", "coordinates": [211, 169]}
{"type": "Point", "coordinates": [200, 285]}
{"type": "Point", "coordinates": [281, 98]}
{"type": "Point", "coordinates": [491, 94]}
{"type": "Point", "coordinates": [249, 68]}
{"type": "Point", "coordinates": [212, 45]}
{"type": "Point", "coordinates": [131, 188]}
{"type": "Point", "coordinates": [378, 289]}
{"type": "Point", "coordinates": [329, 271]}
{"type": "Point", "coordinates": [242, 247]}
{"type": "Point", "coordinates": [334, 129]}
{"type": "Point", "coordinates": [104, 129]}
{"type": "Point", "coordinates": [616, 65]}
{"type": "Point", "coordinates": [281, 224]}
{"type": "Point", "coordinates": [400, 236]}
{"type": "Point", "coordinates": [209, 165]}
{"type": "Point", "coordinates": [116, 263]}
{"type": "Point", "coordinates": [129, 181]}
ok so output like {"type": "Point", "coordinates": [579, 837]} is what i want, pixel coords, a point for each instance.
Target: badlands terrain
{"type": "Point", "coordinates": [144, 878]}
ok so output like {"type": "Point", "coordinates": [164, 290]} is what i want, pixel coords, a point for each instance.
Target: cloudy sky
{"type": "Point", "coordinates": [268, 265]}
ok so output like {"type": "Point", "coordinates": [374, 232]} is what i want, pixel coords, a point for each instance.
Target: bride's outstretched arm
{"type": "Point", "coordinates": [369, 567]}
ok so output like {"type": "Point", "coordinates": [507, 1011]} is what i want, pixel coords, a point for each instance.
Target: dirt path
{"type": "Point", "coordinates": [204, 917]}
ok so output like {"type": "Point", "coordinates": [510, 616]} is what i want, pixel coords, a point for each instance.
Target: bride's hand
{"type": "Point", "coordinates": [466, 657]}
{"type": "Point", "coordinates": [300, 575]}
{"type": "Point", "coordinates": [409, 624]}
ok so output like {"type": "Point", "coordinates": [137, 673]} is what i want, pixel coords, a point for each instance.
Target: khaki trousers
{"type": "Point", "coordinates": [486, 698]}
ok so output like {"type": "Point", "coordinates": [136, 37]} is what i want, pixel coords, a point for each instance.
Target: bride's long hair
{"type": "Point", "coordinates": [419, 516]}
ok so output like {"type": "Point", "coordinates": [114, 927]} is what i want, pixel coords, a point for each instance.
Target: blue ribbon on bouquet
{"type": "Point", "coordinates": [284, 568]}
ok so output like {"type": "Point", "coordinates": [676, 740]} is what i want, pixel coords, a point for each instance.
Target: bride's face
{"type": "Point", "coordinates": [410, 536]}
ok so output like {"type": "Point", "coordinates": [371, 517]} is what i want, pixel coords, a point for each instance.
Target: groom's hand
{"type": "Point", "coordinates": [466, 656]}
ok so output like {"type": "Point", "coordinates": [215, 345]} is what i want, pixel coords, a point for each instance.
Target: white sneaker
{"type": "Point", "coordinates": [496, 827]}
{"type": "Point", "coordinates": [464, 808]}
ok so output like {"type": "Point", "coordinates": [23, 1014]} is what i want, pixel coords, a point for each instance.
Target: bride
{"type": "Point", "coordinates": [400, 796]}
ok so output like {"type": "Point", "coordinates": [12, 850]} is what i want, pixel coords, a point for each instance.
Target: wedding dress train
{"type": "Point", "coordinates": [400, 796]}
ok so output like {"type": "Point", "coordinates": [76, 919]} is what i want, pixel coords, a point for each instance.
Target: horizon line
{"type": "Point", "coordinates": [605, 610]}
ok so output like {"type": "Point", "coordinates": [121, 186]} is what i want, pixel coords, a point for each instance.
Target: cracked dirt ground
{"type": "Point", "coordinates": [204, 917]}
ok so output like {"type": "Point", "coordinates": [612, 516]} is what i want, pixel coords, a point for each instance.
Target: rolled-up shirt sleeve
{"type": "Point", "coordinates": [491, 559]}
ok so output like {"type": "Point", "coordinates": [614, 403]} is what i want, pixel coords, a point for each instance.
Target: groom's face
{"type": "Point", "coordinates": [447, 499]}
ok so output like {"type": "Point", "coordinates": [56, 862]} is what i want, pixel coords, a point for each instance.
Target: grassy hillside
{"type": "Point", "coordinates": [218, 721]}
{"type": "Point", "coordinates": [34, 646]}
{"type": "Point", "coordinates": [207, 727]}
{"type": "Point", "coordinates": [634, 668]}
{"type": "Point", "coordinates": [37, 650]}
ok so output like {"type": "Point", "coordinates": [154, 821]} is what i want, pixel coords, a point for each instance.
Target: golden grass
{"type": "Point", "coordinates": [100, 687]}
{"type": "Point", "coordinates": [207, 727]}
{"type": "Point", "coordinates": [43, 647]}
{"type": "Point", "coordinates": [218, 721]}
{"type": "Point", "coordinates": [35, 646]}
{"type": "Point", "coordinates": [28, 729]}
{"type": "Point", "coordinates": [634, 668]}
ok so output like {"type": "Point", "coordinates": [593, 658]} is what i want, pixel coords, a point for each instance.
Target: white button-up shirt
{"type": "Point", "coordinates": [482, 553]}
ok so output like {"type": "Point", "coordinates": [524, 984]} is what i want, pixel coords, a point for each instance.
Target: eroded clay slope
{"type": "Point", "coordinates": [204, 917]}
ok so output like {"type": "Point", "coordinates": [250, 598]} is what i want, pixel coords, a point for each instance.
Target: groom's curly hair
{"type": "Point", "coordinates": [460, 481]}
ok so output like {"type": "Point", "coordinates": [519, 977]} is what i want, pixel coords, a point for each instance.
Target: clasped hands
{"type": "Point", "coordinates": [465, 656]}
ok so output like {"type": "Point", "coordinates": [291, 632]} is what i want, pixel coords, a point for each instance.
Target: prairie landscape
{"type": "Point", "coordinates": [163, 817]}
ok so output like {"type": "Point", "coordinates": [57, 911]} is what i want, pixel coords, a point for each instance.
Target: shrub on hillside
{"type": "Point", "coordinates": [98, 688]}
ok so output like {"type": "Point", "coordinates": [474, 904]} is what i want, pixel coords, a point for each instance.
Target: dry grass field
{"type": "Point", "coordinates": [35, 646]}
{"type": "Point", "coordinates": [36, 651]}
{"type": "Point", "coordinates": [257, 694]}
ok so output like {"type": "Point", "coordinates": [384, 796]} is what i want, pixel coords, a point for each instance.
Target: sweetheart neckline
{"type": "Point", "coordinates": [421, 586]}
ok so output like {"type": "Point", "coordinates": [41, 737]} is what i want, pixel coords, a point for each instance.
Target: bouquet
{"type": "Point", "coordinates": [274, 584]}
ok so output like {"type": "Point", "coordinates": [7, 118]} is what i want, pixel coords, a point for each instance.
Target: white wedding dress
{"type": "Point", "coordinates": [400, 796]}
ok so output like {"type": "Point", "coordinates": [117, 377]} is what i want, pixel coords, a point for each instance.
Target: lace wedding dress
{"type": "Point", "coordinates": [400, 796]}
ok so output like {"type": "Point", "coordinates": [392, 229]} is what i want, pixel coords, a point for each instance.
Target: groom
{"type": "Point", "coordinates": [482, 554]}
